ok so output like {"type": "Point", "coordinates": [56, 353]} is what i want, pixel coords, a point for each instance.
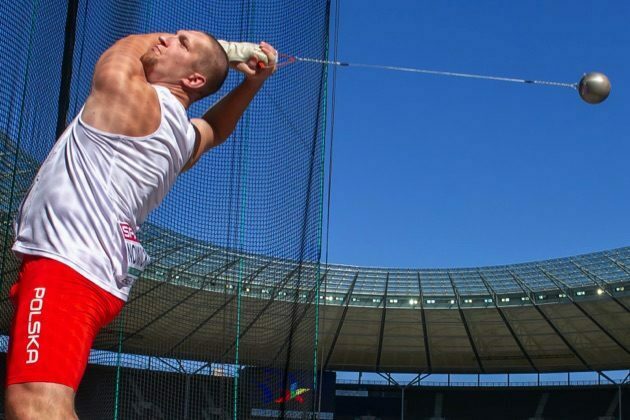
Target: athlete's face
{"type": "Point", "coordinates": [174, 57]}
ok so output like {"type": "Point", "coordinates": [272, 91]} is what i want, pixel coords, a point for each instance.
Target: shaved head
{"type": "Point", "coordinates": [213, 64]}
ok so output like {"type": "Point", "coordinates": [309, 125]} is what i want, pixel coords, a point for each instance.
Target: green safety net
{"type": "Point", "coordinates": [223, 324]}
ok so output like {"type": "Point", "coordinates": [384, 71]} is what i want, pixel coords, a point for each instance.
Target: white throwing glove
{"type": "Point", "coordinates": [242, 51]}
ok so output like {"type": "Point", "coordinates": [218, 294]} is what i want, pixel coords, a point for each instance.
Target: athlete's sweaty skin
{"type": "Point", "coordinates": [191, 65]}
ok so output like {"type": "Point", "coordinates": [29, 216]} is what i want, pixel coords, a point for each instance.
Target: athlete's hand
{"type": "Point", "coordinates": [254, 68]}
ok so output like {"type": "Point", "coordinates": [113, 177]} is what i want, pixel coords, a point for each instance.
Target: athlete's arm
{"type": "Point", "coordinates": [121, 100]}
{"type": "Point", "coordinates": [121, 63]}
{"type": "Point", "coordinates": [220, 120]}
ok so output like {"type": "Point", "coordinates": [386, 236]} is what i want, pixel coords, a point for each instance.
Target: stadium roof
{"type": "Point", "coordinates": [556, 315]}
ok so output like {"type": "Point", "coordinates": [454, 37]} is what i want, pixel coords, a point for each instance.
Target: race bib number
{"type": "Point", "coordinates": [137, 258]}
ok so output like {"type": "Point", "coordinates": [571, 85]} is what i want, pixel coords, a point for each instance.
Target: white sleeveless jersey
{"type": "Point", "coordinates": [95, 189]}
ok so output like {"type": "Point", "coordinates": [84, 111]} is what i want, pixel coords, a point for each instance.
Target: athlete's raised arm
{"type": "Point", "coordinates": [123, 61]}
{"type": "Point", "coordinates": [220, 120]}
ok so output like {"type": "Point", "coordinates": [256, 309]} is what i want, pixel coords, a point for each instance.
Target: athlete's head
{"type": "Point", "coordinates": [192, 59]}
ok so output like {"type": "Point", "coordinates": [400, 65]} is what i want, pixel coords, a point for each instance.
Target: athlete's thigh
{"type": "Point", "coordinates": [39, 400]}
{"type": "Point", "coordinates": [57, 316]}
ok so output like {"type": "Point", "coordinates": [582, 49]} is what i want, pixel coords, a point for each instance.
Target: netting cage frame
{"type": "Point", "coordinates": [225, 319]}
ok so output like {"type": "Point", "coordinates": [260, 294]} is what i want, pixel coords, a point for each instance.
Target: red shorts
{"type": "Point", "coordinates": [57, 315]}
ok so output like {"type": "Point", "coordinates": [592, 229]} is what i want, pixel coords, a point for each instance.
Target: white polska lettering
{"type": "Point", "coordinates": [35, 325]}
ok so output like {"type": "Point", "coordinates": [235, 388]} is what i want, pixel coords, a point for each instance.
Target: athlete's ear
{"type": "Point", "coordinates": [194, 81]}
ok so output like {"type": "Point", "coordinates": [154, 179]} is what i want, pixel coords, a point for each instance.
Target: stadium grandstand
{"type": "Point", "coordinates": [237, 318]}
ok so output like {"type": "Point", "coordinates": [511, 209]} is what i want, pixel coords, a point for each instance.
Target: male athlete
{"type": "Point", "coordinates": [76, 228]}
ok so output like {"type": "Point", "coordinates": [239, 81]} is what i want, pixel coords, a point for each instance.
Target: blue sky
{"type": "Point", "coordinates": [434, 171]}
